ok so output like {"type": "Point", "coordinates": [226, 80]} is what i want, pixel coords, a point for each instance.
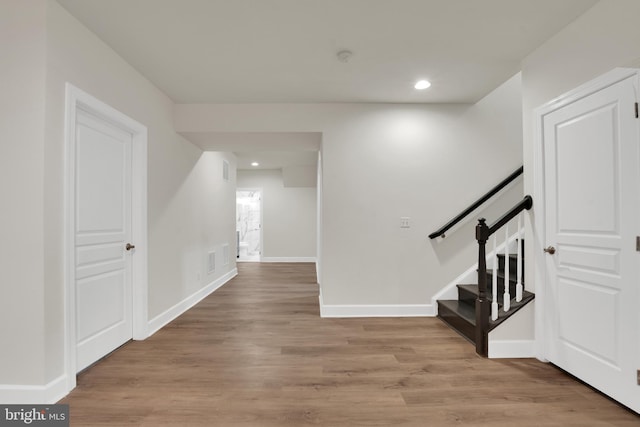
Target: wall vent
{"type": "Point", "coordinates": [225, 170]}
{"type": "Point", "coordinates": [211, 265]}
{"type": "Point", "coordinates": [225, 254]}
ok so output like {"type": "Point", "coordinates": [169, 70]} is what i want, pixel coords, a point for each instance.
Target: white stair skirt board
{"type": "Point", "coordinates": [34, 394]}
{"type": "Point", "coordinates": [164, 318]}
{"type": "Point", "coordinates": [288, 259]}
{"type": "Point", "coordinates": [514, 338]}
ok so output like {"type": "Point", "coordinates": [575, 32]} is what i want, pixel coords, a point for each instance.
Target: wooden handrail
{"type": "Point", "coordinates": [475, 205]}
{"type": "Point", "coordinates": [483, 307]}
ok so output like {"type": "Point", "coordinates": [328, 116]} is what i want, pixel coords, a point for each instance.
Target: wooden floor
{"type": "Point", "coordinates": [257, 353]}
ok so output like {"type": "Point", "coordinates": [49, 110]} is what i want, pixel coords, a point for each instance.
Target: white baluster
{"type": "Point", "coordinates": [506, 303]}
{"type": "Point", "coordinates": [494, 283]}
{"type": "Point", "coordinates": [519, 287]}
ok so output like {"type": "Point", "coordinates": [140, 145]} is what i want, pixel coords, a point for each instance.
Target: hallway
{"type": "Point", "coordinates": [257, 353]}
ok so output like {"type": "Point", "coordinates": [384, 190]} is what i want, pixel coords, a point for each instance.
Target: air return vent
{"type": "Point", "coordinates": [225, 170]}
{"type": "Point", "coordinates": [225, 254]}
{"type": "Point", "coordinates": [211, 266]}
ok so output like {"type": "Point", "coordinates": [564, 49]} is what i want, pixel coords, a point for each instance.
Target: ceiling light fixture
{"type": "Point", "coordinates": [255, 164]}
{"type": "Point", "coordinates": [422, 84]}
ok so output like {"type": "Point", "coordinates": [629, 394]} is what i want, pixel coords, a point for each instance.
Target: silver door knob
{"type": "Point", "coordinates": [550, 250]}
{"type": "Point", "coordinates": [130, 246]}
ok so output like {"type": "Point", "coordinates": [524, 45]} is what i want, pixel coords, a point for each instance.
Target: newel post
{"type": "Point", "coordinates": [482, 303]}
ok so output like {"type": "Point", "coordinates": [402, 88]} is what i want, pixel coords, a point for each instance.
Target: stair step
{"type": "Point", "coordinates": [469, 294]}
{"type": "Point", "coordinates": [501, 279]}
{"type": "Point", "coordinates": [460, 316]}
{"type": "Point", "coordinates": [513, 263]}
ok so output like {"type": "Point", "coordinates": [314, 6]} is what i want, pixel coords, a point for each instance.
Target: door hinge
{"type": "Point", "coordinates": [638, 375]}
{"type": "Point", "coordinates": [636, 106]}
{"type": "Point", "coordinates": [638, 243]}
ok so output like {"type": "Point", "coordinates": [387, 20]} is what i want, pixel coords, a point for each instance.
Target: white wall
{"type": "Point", "coordinates": [22, 115]}
{"type": "Point", "coordinates": [384, 161]}
{"type": "Point", "coordinates": [288, 217]}
{"type": "Point", "coordinates": [190, 209]}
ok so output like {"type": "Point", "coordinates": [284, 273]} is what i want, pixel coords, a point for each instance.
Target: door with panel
{"type": "Point", "coordinates": [102, 233]}
{"type": "Point", "coordinates": [592, 212]}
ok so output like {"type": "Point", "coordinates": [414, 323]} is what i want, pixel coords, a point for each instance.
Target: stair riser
{"type": "Point", "coordinates": [469, 297]}
{"type": "Point", "coordinates": [512, 283]}
{"type": "Point", "coordinates": [513, 264]}
{"type": "Point", "coordinates": [466, 296]}
{"type": "Point", "coordinates": [456, 322]}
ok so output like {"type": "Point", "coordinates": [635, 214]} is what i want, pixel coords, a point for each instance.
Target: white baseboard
{"type": "Point", "coordinates": [34, 394]}
{"type": "Point", "coordinates": [398, 310]}
{"type": "Point", "coordinates": [508, 349]}
{"type": "Point", "coordinates": [288, 259]}
{"type": "Point", "coordinates": [164, 318]}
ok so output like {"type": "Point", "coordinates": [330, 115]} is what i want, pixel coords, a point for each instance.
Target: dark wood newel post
{"type": "Point", "coordinates": [482, 303]}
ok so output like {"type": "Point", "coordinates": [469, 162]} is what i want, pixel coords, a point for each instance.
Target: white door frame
{"type": "Point", "coordinates": [261, 214]}
{"type": "Point", "coordinates": [539, 209]}
{"type": "Point", "coordinates": [77, 99]}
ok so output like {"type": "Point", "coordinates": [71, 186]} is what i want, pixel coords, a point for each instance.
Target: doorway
{"type": "Point", "coordinates": [249, 224]}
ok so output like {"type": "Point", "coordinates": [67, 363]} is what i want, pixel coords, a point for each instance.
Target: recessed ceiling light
{"type": "Point", "coordinates": [255, 164]}
{"type": "Point", "coordinates": [422, 84]}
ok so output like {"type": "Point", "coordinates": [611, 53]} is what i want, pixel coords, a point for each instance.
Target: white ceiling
{"type": "Point", "coordinates": [271, 51]}
{"type": "Point", "coordinates": [241, 51]}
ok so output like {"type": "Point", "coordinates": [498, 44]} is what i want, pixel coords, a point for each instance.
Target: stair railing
{"type": "Point", "coordinates": [484, 310]}
{"type": "Point", "coordinates": [475, 205]}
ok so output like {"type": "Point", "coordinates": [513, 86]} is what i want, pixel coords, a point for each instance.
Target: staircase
{"type": "Point", "coordinates": [460, 314]}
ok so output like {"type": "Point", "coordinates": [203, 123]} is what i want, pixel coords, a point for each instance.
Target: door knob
{"type": "Point", "coordinates": [130, 246]}
{"type": "Point", "coordinates": [550, 250]}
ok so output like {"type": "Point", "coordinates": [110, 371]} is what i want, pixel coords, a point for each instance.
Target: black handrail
{"type": "Point", "coordinates": [483, 232]}
{"type": "Point", "coordinates": [476, 204]}
{"type": "Point", "coordinates": [525, 203]}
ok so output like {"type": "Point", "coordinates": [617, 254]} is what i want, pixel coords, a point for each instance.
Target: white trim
{"type": "Point", "coordinates": [78, 99]}
{"type": "Point", "coordinates": [508, 349]}
{"type": "Point", "coordinates": [397, 310]}
{"type": "Point", "coordinates": [288, 259]}
{"type": "Point", "coordinates": [319, 204]}
{"type": "Point", "coordinates": [450, 291]}
{"type": "Point", "coordinates": [539, 208]}
{"type": "Point", "coordinates": [34, 394]}
{"type": "Point", "coordinates": [172, 313]}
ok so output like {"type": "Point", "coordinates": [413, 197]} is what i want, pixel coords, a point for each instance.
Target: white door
{"type": "Point", "coordinates": [592, 187]}
{"type": "Point", "coordinates": [103, 291]}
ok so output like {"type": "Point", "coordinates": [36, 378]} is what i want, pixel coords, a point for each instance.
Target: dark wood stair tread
{"type": "Point", "coordinates": [473, 290]}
